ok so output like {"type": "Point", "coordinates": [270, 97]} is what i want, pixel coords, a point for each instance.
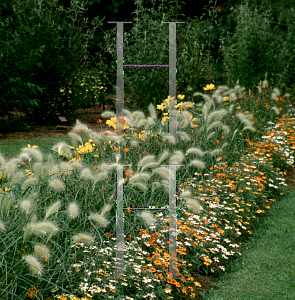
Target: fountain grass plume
{"type": "Point", "coordinates": [152, 111]}
{"type": "Point", "coordinates": [7, 202]}
{"type": "Point", "coordinates": [34, 153]}
{"type": "Point", "coordinates": [162, 171]}
{"type": "Point", "coordinates": [86, 174]}
{"type": "Point", "coordinates": [29, 182]}
{"type": "Point", "coordinates": [177, 157]}
{"type": "Point", "coordinates": [84, 238]}
{"type": "Point", "coordinates": [61, 148]}
{"type": "Point", "coordinates": [196, 151]}
{"type": "Point", "coordinates": [34, 264]}
{"type": "Point", "coordinates": [193, 205]}
{"type": "Point", "coordinates": [52, 209]}
{"type": "Point", "coordinates": [42, 250]}
{"type": "Point", "coordinates": [43, 227]}
{"type": "Point", "coordinates": [80, 128]}
{"type": "Point", "coordinates": [73, 210]}
{"type": "Point", "coordinates": [140, 177]}
{"type": "Point", "coordinates": [183, 136]}
{"type": "Point", "coordinates": [26, 206]}
{"type": "Point", "coordinates": [198, 164]}
{"type": "Point", "coordinates": [56, 184]}
{"type": "Point", "coordinates": [147, 217]}
{"type": "Point", "coordinates": [2, 226]}
{"type": "Point", "coordinates": [146, 159]}
{"type": "Point", "coordinates": [54, 171]}
{"type": "Point", "coordinates": [163, 156]}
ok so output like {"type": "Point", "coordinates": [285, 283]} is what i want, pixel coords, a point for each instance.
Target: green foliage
{"type": "Point", "coordinates": [256, 48]}
{"type": "Point", "coordinates": [45, 49]}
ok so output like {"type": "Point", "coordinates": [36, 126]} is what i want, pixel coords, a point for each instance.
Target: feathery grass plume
{"type": "Point", "coordinates": [225, 128]}
{"type": "Point", "coordinates": [25, 206]}
{"type": "Point", "coordinates": [139, 185]}
{"type": "Point", "coordinates": [152, 111]}
{"type": "Point", "coordinates": [183, 123]}
{"type": "Point", "coordinates": [99, 177]}
{"type": "Point", "coordinates": [140, 177]}
{"type": "Point", "coordinates": [61, 148]}
{"type": "Point", "coordinates": [140, 120]}
{"type": "Point", "coordinates": [170, 138]}
{"type": "Point", "coordinates": [210, 135]}
{"type": "Point", "coordinates": [37, 167]}
{"type": "Point", "coordinates": [108, 114]}
{"type": "Point", "coordinates": [259, 89]}
{"type": "Point", "coordinates": [147, 217]}
{"type": "Point", "coordinates": [134, 143]}
{"type": "Point", "coordinates": [216, 114]}
{"type": "Point", "coordinates": [146, 159]}
{"type": "Point", "coordinates": [106, 209]}
{"type": "Point", "coordinates": [17, 177]}
{"type": "Point", "coordinates": [115, 138]}
{"type": "Point", "coordinates": [80, 127]}
{"type": "Point", "coordinates": [52, 209]}
{"type": "Point", "coordinates": [194, 205]}
{"type": "Point", "coordinates": [76, 165]}
{"type": "Point", "coordinates": [50, 160]}
{"type": "Point", "coordinates": [276, 110]}
{"type": "Point", "coordinates": [95, 137]}
{"type": "Point", "coordinates": [127, 112]}
{"type": "Point", "coordinates": [54, 171]}
{"type": "Point", "coordinates": [99, 219]}
{"type": "Point", "coordinates": [150, 121]}
{"type": "Point", "coordinates": [84, 238]}
{"type": "Point", "coordinates": [2, 226]}
{"type": "Point", "coordinates": [2, 160]}
{"type": "Point", "coordinates": [56, 184]}
{"type": "Point", "coordinates": [11, 166]}
{"type": "Point", "coordinates": [34, 264]}
{"type": "Point", "coordinates": [186, 114]}
{"type": "Point", "coordinates": [177, 157]}
{"type": "Point", "coordinates": [25, 156]}
{"type": "Point", "coordinates": [163, 156]}
{"type": "Point", "coordinates": [86, 174]}
{"type": "Point", "coordinates": [198, 164]}
{"type": "Point", "coordinates": [43, 227]}
{"type": "Point", "coordinates": [195, 151]}
{"type": "Point", "coordinates": [29, 182]}
{"type": "Point", "coordinates": [156, 185]}
{"type": "Point", "coordinates": [163, 172]}
{"type": "Point", "coordinates": [35, 153]}
{"type": "Point", "coordinates": [214, 124]}
{"type": "Point", "coordinates": [231, 108]}
{"type": "Point", "coordinates": [7, 202]}
{"type": "Point", "coordinates": [251, 128]}
{"type": "Point", "coordinates": [243, 119]}
{"type": "Point", "coordinates": [215, 152]}
{"type": "Point", "coordinates": [65, 167]}
{"type": "Point", "coordinates": [150, 165]}
{"type": "Point", "coordinates": [75, 137]}
{"type": "Point", "coordinates": [232, 96]}
{"type": "Point", "coordinates": [73, 210]}
{"type": "Point", "coordinates": [184, 136]}
{"type": "Point", "coordinates": [265, 82]}
{"type": "Point", "coordinates": [206, 97]}
{"type": "Point", "coordinates": [44, 171]}
{"type": "Point", "coordinates": [42, 250]}
{"type": "Point", "coordinates": [205, 111]}
{"type": "Point", "coordinates": [186, 194]}
{"type": "Point", "coordinates": [224, 145]}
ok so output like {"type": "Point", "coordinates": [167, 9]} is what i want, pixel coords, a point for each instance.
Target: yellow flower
{"type": "Point", "coordinates": [180, 97]}
{"type": "Point", "coordinates": [29, 147]}
{"type": "Point", "coordinates": [209, 87]}
{"type": "Point", "coordinates": [162, 106]}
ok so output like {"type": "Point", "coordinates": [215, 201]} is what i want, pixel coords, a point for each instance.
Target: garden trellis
{"type": "Point", "coordinates": [172, 132]}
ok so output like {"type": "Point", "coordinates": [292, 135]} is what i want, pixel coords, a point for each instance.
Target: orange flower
{"type": "Point", "coordinates": [32, 293]}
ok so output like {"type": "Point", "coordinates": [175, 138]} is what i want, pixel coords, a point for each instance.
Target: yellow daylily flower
{"type": "Point", "coordinates": [209, 87]}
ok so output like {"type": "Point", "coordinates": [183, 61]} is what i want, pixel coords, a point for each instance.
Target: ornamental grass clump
{"type": "Point", "coordinates": [64, 210]}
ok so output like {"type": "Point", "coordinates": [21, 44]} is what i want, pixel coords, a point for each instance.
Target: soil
{"type": "Point", "coordinates": [88, 117]}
